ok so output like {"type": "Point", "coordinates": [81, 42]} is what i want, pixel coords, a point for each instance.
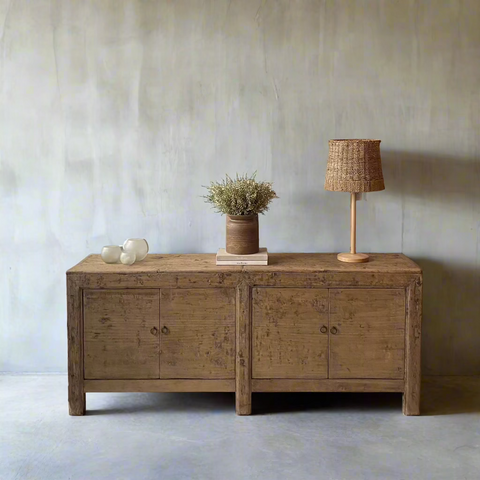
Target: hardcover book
{"type": "Point", "coordinates": [223, 256]}
{"type": "Point", "coordinates": [259, 258]}
{"type": "Point", "coordinates": [243, 262]}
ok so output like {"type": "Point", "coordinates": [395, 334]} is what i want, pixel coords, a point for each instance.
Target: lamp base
{"type": "Point", "coordinates": [353, 257]}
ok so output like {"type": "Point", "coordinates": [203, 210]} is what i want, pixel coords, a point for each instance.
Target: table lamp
{"type": "Point", "coordinates": [354, 166]}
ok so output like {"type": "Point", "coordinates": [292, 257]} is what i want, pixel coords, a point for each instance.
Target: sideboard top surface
{"type": "Point", "coordinates": [278, 263]}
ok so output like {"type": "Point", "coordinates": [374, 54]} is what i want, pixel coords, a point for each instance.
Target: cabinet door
{"type": "Point", "coordinates": [290, 338]}
{"type": "Point", "coordinates": [121, 333]}
{"type": "Point", "coordinates": [197, 338]}
{"type": "Point", "coordinates": [367, 333]}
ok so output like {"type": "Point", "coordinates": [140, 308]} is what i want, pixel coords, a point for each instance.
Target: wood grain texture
{"type": "Point", "coordinates": [392, 263]}
{"type": "Point", "coordinates": [309, 385]}
{"type": "Point", "coordinates": [170, 385]}
{"type": "Point", "coordinates": [154, 263]}
{"type": "Point", "coordinates": [269, 277]}
{"type": "Point", "coordinates": [121, 333]}
{"type": "Point", "coordinates": [272, 278]}
{"type": "Point", "coordinates": [284, 270]}
{"type": "Point", "coordinates": [243, 364]}
{"type": "Point", "coordinates": [158, 280]}
{"type": "Point", "coordinates": [411, 398]}
{"type": "Point", "coordinates": [76, 394]}
{"type": "Point", "coordinates": [200, 338]}
{"type": "Point", "coordinates": [370, 333]}
{"type": "Point", "coordinates": [287, 337]}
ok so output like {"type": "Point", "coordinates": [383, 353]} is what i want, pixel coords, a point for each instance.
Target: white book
{"type": "Point", "coordinates": [242, 262]}
{"type": "Point", "coordinates": [261, 255]}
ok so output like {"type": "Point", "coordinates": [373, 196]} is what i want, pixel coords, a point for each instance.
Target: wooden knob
{"type": "Point", "coordinates": [165, 330]}
{"type": "Point", "coordinates": [333, 330]}
{"type": "Point", "coordinates": [324, 329]}
{"type": "Point", "coordinates": [154, 331]}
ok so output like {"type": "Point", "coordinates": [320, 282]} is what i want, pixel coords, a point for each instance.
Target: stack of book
{"type": "Point", "coordinates": [260, 258]}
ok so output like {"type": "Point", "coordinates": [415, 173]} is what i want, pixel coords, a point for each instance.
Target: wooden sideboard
{"type": "Point", "coordinates": [304, 323]}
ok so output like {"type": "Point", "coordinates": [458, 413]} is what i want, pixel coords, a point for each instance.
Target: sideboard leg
{"type": "Point", "coordinates": [76, 394]}
{"type": "Point", "coordinates": [243, 387]}
{"type": "Point", "coordinates": [413, 375]}
{"type": "Point", "coordinates": [76, 403]}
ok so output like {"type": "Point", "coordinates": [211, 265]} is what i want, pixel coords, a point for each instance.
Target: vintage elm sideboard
{"type": "Point", "coordinates": [304, 323]}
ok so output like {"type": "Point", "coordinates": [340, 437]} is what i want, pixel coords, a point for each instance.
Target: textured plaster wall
{"type": "Point", "coordinates": [114, 113]}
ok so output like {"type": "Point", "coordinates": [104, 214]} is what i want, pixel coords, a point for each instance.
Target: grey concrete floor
{"type": "Point", "coordinates": [198, 436]}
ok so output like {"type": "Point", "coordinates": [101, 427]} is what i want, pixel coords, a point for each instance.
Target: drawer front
{"type": "Point", "coordinates": [197, 333]}
{"type": "Point", "coordinates": [290, 338]}
{"type": "Point", "coordinates": [121, 334]}
{"type": "Point", "coordinates": [369, 338]}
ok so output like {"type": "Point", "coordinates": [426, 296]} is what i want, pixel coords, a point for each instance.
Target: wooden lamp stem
{"type": "Point", "coordinates": [353, 222]}
{"type": "Point", "coordinates": [353, 256]}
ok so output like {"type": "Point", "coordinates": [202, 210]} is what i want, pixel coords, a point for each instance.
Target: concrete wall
{"type": "Point", "coordinates": [114, 113]}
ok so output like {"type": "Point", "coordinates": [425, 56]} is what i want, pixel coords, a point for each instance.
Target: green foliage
{"type": "Point", "coordinates": [240, 196]}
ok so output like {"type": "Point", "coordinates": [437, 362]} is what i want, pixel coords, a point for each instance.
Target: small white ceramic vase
{"type": "Point", "coordinates": [138, 246]}
{"type": "Point", "coordinates": [111, 253]}
{"type": "Point", "coordinates": [127, 258]}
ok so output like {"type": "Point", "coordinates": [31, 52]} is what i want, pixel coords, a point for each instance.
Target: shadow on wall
{"type": "Point", "coordinates": [445, 180]}
{"type": "Point", "coordinates": [441, 228]}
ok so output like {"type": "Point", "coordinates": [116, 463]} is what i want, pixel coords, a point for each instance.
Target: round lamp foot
{"type": "Point", "coordinates": [353, 257]}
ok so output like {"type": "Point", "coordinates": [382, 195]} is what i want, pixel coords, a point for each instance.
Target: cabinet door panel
{"type": "Point", "coordinates": [287, 341]}
{"type": "Point", "coordinates": [121, 333]}
{"type": "Point", "coordinates": [370, 338]}
{"type": "Point", "coordinates": [197, 337]}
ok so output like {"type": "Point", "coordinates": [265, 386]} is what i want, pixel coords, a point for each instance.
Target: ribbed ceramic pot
{"type": "Point", "coordinates": [242, 234]}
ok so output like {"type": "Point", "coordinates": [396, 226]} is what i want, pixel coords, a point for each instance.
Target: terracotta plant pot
{"type": "Point", "coordinates": [242, 234]}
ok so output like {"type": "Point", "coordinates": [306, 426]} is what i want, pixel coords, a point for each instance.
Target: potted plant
{"type": "Point", "coordinates": [241, 200]}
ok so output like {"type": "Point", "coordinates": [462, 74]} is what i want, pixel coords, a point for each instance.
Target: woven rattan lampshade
{"type": "Point", "coordinates": [354, 166]}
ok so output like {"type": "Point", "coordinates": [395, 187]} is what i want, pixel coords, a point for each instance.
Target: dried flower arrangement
{"type": "Point", "coordinates": [240, 196]}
